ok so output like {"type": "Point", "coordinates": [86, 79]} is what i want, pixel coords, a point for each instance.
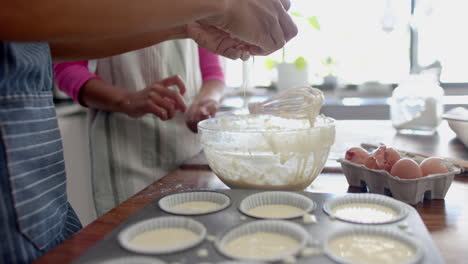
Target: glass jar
{"type": "Point", "coordinates": [416, 106]}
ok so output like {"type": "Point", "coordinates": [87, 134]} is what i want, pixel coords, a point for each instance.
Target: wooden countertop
{"type": "Point", "coordinates": [446, 220]}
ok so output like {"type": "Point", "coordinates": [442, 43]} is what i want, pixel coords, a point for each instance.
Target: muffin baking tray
{"type": "Point", "coordinates": [220, 223]}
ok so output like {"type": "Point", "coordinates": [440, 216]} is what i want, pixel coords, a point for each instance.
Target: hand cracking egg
{"type": "Point", "coordinates": [433, 165]}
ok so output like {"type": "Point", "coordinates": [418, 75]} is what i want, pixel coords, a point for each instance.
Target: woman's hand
{"type": "Point", "coordinates": [255, 27]}
{"type": "Point", "coordinates": [156, 99]}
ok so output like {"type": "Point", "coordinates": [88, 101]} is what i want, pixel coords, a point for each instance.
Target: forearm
{"type": "Point", "coordinates": [213, 89]}
{"type": "Point", "coordinates": [81, 50]}
{"type": "Point", "coordinates": [210, 65]}
{"type": "Point", "coordinates": [67, 20]}
{"type": "Point", "coordinates": [98, 94]}
{"type": "Point", "coordinates": [70, 77]}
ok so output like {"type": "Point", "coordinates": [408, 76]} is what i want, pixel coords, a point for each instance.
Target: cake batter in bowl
{"type": "Point", "coordinates": [266, 152]}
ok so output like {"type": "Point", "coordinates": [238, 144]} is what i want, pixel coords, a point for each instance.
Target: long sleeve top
{"type": "Point", "coordinates": [71, 76]}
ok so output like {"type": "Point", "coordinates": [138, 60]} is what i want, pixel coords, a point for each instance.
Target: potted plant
{"type": "Point", "coordinates": [292, 74]}
{"type": "Point", "coordinates": [330, 80]}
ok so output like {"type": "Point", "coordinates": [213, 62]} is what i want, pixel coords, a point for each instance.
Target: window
{"type": "Point", "coordinates": [371, 40]}
{"type": "Point", "coordinates": [441, 31]}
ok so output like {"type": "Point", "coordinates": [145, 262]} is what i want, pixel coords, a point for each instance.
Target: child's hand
{"type": "Point", "coordinates": [156, 99]}
{"type": "Point", "coordinates": [201, 109]}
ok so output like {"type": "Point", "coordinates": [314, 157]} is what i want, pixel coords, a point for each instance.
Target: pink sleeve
{"type": "Point", "coordinates": [210, 65]}
{"type": "Point", "coordinates": [71, 76]}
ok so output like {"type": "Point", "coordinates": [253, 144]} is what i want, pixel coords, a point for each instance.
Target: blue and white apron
{"type": "Point", "coordinates": [34, 212]}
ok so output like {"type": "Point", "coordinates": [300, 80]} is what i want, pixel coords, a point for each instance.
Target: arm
{"type": "Point", "coordinates": [71, 76]}
{"type": "Point", "coordinates": [156, 99]}
{"type": "Point", "coordinates": [205, 104]}
{"type": "Point", "coordinates": [233, 28]}
{"type": "Point", "coordinates": [210, 66]}
{"type": "Point", "coordinates": [79, 50]}
{"type": "Point", "coordinates": [51, 20]}
{"type": "Point", "coordinates": [207, 101]}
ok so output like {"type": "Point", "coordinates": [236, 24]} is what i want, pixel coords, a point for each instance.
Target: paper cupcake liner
{"type": "Point", "coordinates": [168, 202]}
{"type": "Point", "coordinates": [239, 262]}
{"type": "Point", "coordinates": [411, 191]}
{"type": "Point", "coordinates": [372, 230]}
{"type": "Point", "coordinates": [129, 260]}
{"type": "Point", "coordinates": [277, 198]}
{"type": "Point", "coordinates": [286, 228]}
{"type": "Point", "coordinates": [159, 223]}
{"type": "Point", "coordinates": [368, 198]}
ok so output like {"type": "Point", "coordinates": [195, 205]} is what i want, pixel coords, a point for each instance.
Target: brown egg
{"type": "Point", "coordinates": [406, 169]}
{"type": "Point", "coordinates": [433, 165]}
{"type": "Point", "coordinates": [356, 155]}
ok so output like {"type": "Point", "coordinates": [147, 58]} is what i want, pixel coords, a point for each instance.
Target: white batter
{"type": "Point", "coordinates": [371, 249]}
{"type": "Point", "coordinates": [270, 157]}
{"type": "Point", "coordinates": [164, 238]}
{"type": "Point", "coordinates": [365, 212]}
{"type": "Point", "coordinates": [275, 211]}
{"type": "Point", "coordinates": [261, 245]}
{"type": "Point", "coordinates": [197, 207]}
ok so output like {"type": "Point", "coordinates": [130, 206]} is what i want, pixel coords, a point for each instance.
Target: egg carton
{"type": "Point", "coordinates": [411, 191]}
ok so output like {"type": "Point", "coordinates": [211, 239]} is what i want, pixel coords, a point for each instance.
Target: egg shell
{"type": "Point", "coordinates": [433, 165]}
{"type": "Point", "coordinates": [356, 155]}
{"type": "Point", "coordinates": [406, 169]}
{"type": "Point", "coordinates": [385, 158]}
{"type": "Point", "coordinates": [379, 156]}
{"type": "Point", "coordinates": [391, 157]}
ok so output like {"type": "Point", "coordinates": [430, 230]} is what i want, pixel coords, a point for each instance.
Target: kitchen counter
{"type": "Point", "coordinates": [446, 220]}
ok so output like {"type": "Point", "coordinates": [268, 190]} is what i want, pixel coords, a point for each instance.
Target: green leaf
{"type": "Point", "coordinates": [300, 63]}
{"type": "Point", "coordinates": [270, 64]}
{"type": "Point", "coordinates": [296, 14]}
{"type": "Point", "coordinates": [313, 21]}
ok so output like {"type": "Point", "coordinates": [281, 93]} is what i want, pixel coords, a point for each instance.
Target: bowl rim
{"type": "Point", "coordinates": [329, 122]}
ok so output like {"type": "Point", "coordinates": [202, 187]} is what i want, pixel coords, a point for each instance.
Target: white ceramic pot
{"type": "Point", "coordinates": [289, 76]}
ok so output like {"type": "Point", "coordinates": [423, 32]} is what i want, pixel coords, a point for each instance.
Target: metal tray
{"type": "Point", "coordinates": [219, 223]}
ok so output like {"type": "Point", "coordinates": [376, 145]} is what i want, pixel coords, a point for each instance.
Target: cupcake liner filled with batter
{"type": "Point", "coordinates": [366, 208]}
{"type": "Point", "coordinates": [129, 260]}
{"type": "Point", "coordinates": [276, 205]}
{"type": "Point", "coordinates": [370, 244]}
{"type": "Point", "coordinates": [194, 203]}
{"type": "Point", "coordinates": [162, 235]}
{"type": "Point", "coordinates": [263, 240]}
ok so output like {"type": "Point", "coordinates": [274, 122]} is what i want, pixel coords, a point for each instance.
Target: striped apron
{"type": "Point", "coordinates": [34, 212]}
{"type": "Point", "coordinates": [129, 154]}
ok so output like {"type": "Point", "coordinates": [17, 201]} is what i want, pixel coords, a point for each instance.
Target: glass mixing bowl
{"type": "Point", "coordinates": [266, 152]}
